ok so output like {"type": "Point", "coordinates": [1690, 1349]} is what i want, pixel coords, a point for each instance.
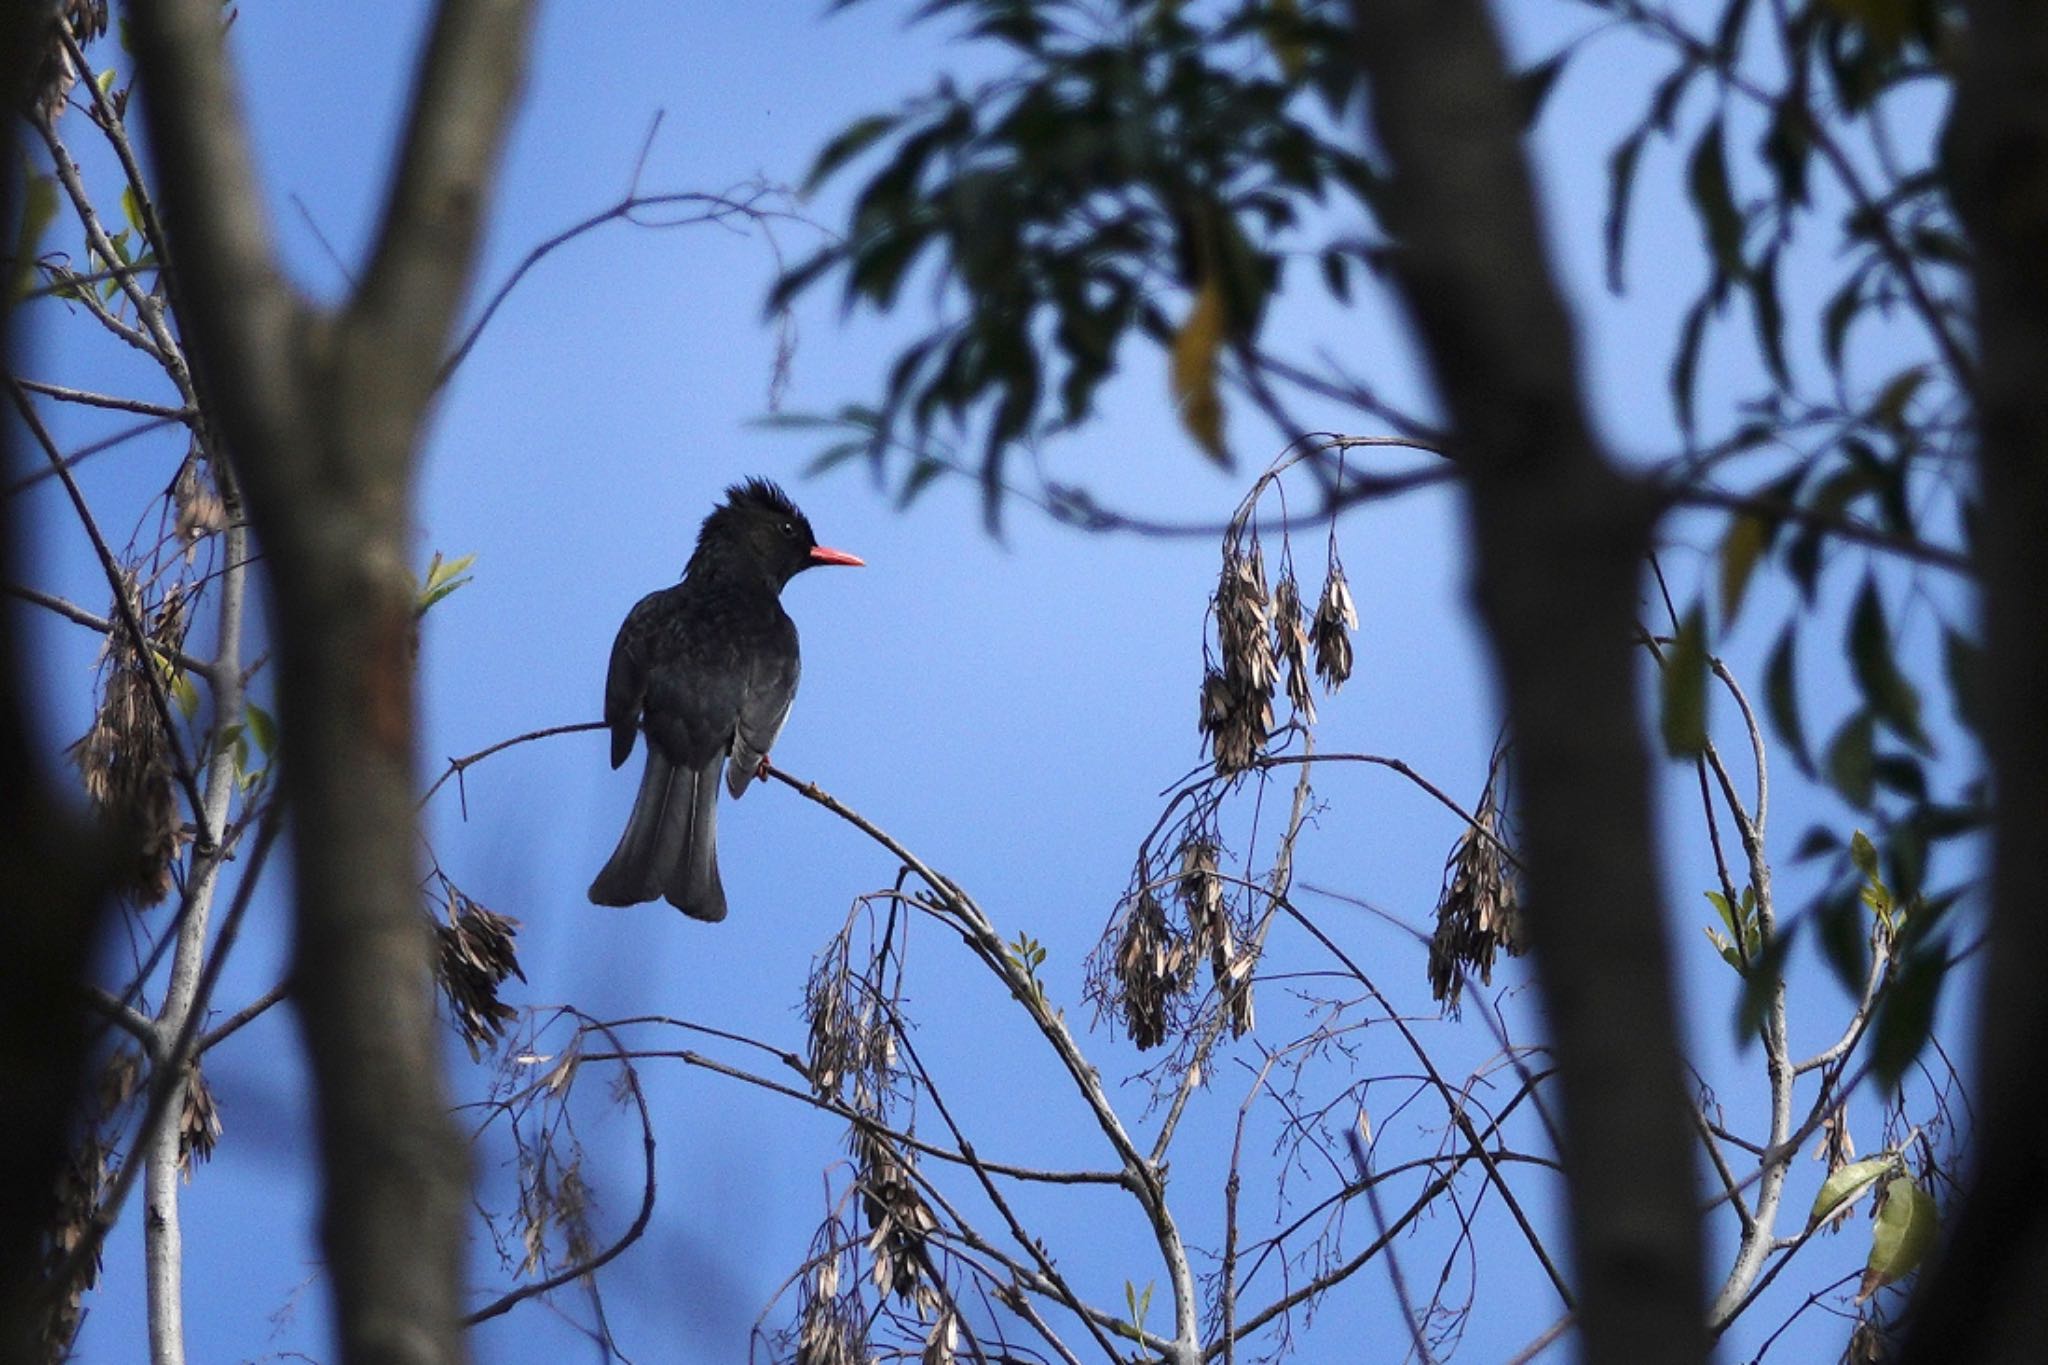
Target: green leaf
{"type": "Point", "coordinates": [849, 143]}
{"type": "Point", "coordinates": [1707, 183]}
{"type": "Point", "coordinates": [1863, 853]}
{"type": "Point", "coordinates": [131, 208]}
{"type": "Point", "coordinates": [1685, 687]}
{"type": "Point", "coordinates": [1891, 696]}
{"type": "Point", "coordinates": [1770, 317]}
{"type": "Point", "coordinates": [1744, 544]}
{"type": "Point", "coordinates": [262, 728]}
{"type": "Point", "coordinates": [1904, 1234]}
{"type": "Point", "coordinates": [1685, 363]}
{"type": "Point", "coordinates": [1817, 840]}
{"type": "Point", "coordinates": [1760, 988]}
{"type": "Point", "coordinates": [1841, 311]}
{"type": "Point", "coordinates": [443, 578]}
{"type": "Point", "coordinates": [1962, 661]}
{"type": "Point", "coordinates": [1621, 179]}
{"type": "Point", "coordinates": [1905, 1016]}
{"type": "Point", "coordinates": [38, 207]}
{"type": "Point", "coordinates": [1846, 1184]}
{"type": "Point", "coordinates": [1781, 698]}
{"type": "Point", "coordinates": [185, 695]}
{"type": "Point", "coordinates": [1850, 768]}
{"type": "Point", "coordinates": [1844, 932]}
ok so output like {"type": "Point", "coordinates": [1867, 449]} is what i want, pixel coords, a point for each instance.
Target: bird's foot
{"type": "Point", "coordinates": [761, 768]}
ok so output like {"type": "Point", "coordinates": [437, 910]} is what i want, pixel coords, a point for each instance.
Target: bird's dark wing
{"type": "Point", "coordinates": [625, 682]}
{"type": "Point", "coordinates": [772, 677]}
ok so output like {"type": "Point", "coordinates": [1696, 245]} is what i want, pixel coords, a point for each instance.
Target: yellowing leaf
{"type": "Point", "coordinates": [1905, 1231]}
{"type": "Point", "coordinates": [1740, 549]}
{"type": "Point", "coordinates": [1196, 393]}
{"type": "Point", "coordinates": [1844, 1185]}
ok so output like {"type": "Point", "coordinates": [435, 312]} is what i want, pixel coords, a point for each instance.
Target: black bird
{"type": "Point", "coordinates": [707, 668]}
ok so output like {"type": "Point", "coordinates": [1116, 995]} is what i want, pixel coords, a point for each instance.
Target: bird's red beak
{"type": "Point", "coordinates": [825, 554]}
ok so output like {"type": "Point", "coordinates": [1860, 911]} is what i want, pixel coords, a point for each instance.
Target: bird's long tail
{"type": "Point", "coordinates": [670, 845]}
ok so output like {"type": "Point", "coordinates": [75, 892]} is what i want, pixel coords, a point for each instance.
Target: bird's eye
{"type": "Point", "coordinates": [789, 529]}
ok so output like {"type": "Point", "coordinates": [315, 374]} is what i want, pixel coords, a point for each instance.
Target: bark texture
{"type": "Point", "coordinates": [1986, 1299]}
{"type": "Point", "coordinates": [52, 888]}
{"type": "Point", "coordinates": [322, 415]}
{"type": "Point", "coordinates": [1559, 536]}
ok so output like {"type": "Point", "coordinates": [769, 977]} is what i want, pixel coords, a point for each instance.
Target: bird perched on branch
{"type": "Point", "coordinates": [707, 669]}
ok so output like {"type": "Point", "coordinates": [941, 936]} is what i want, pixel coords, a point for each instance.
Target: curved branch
{"type": "Point", "coordinates": [504, 1303]}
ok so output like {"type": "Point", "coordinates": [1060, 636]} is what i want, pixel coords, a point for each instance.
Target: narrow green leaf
{"type": "Point", "coordinates": [1685, 363]}
{"type": "Point", "coordinates": [1891, 696]}
{"type": "Point", "coordinates": [1781, 697]}
{"type": "Point", "coordinates": [1712, 198]}
{"type": "Point", "coordinates": [1844, 932]}
{"type": "Point", "coordinates": [1740, 550]}
{"type": "Point", "coordinates": [1770, 317]}
{"type": "Point", "coordinates": [1963, 663]}
{"type": "Point", "coordinates": [185, 695]}
{"type": "Point", "coordinates": [1849, 763]}
{"type": "Point", "coordinates": [1863, 853]}
{"type": "Point", "coordinates": [1621, 180]}
{"type": "Point", "coordinates": [1685, 687]}
{"type": "Point", "coordinates": [1760, 988]}
{"type": "Point", "coordinates": [1905, 1016]}
{"type": "Point", "coordinates": [847, 145]}
{"type": "Point", "coordinates": [262, 728]}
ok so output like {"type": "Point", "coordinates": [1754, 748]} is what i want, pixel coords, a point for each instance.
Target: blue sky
{"type": "Point", "coordinates": [1010, 710]}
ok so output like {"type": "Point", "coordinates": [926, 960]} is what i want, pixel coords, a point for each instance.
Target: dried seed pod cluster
{"type": "Point", "coordinates": [198, 1122]}
{"type": "Point", "coordinates": [899, 1221]}
{"type": "Point", "coordinates": [831, 1319]}
{"type": "Point", "coordinates": [476, 954]}
{"type": "Point", "coordinates": [124, 759]}
{"type": "Point", "coordinates": [199, 511]}
{"type": "Point", "coordinates": [1152, 966]}
{"type": "Point", "coordinates": [1336, 618]}
{"type": "Point", "coordinates": [1479, 910]}
{"type": "Point", "coordinates": [852, 1043]}
{"type": "Point", "coordinates": [1212, 932]}
{"type": "Point", "coordinates": [1237, 698]}
{"type": "Point", "coordinates": [1291, 643]}
{"type": "Point", "coordinates": [1260, 634]}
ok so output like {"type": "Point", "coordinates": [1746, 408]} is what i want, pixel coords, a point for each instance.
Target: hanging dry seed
{"type": "Point", "coordinates": [1336, 618]}
{"type": "Point", "coordinates": [1151, 969]}
{"type": "Point", "coordinates": [198, 1124]}
{"type": "Point", "coordinates": [1291, 644]}
{"type": "Point", "coordinates": [199, 510]}
{"type": "Point", "coordinates": [899, 1221]}
{"type": "Point", "coordinates": [1237, 699]}
{"type": "Point", "coordinates": [476, 955]}
{"type": "Point", "coordinates": [124, 758]}
{"type": "Point", "coordinates": [1479, 910]}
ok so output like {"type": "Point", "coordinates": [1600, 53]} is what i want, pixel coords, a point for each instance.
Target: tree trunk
{"type": "Point", "coordinates": [1559, 536]}
{"type": "Point", "coordinates": [322, 414]}
{"type": "Point", "coordinates": [1985, 1300]}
